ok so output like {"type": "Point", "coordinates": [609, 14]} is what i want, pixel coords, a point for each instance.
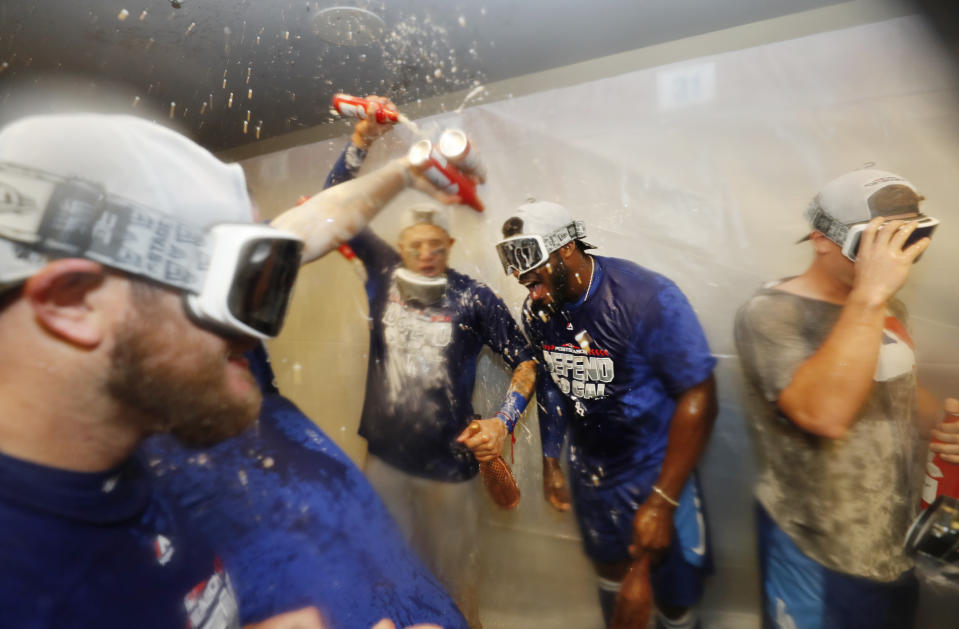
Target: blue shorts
{"type": "Point", "coordinates": [800, 593]}
{"type": "Point", "coordinates": [605, 516]}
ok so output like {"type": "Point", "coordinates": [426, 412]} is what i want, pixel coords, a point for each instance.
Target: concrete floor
{"type": "Point", "coordinates": [544, 581]}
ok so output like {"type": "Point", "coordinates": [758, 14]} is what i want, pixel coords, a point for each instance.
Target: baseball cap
{"type": "Point", "coordinates": [426, 215]}
{"type": "Point", "coordinates": [551, 221]}
{"type": "Point", "coordinates": [143, 199]}
{"type": "Point", "coordinates": [858, 197]}
{"type": "Point", "coordinates": [536, 229]}
{"type": "Point", "coordinates": [108, 156]}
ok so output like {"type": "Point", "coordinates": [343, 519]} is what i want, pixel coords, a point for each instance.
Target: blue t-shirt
{"type": "Point", "coordinates": [422, 365]}
{"type": "Point", "coordinates": [298, 524]}
{"type": "Point", "coordinates": [347, 165]}
{"type": "Point", "coordinates": [618, 394]}
{"type": "Point", "coordinates": [102, 550]}
{"type": "Point", "coordinates": [294, 519]}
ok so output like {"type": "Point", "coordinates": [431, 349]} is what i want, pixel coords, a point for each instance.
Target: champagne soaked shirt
{"type": "Point", "coordinates": [422, 365]}
{"type": "Point", "coordinates": [847, 503]}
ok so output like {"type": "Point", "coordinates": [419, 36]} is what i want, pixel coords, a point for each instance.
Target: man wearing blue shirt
{"type": "Point", "coordinates": [429, 323]}
{"type": "Point", "coordinates": [294, 519]}
{"type": "Point", "coordinates": [111, 333]}
{"type": "Point", "coordinates": [626, 369]}
{"type": "Point", "coordinates": [132, 282]}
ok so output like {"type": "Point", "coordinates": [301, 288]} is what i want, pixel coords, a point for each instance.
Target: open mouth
{"type": "Point", "coordinates": [238, 359]}
{"type": "Point", "coordinates": [537, 291]}
{"type": "Point", "coordinates": [237, 350]}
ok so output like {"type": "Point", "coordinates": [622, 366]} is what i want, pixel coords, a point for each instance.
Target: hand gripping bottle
{"type": "Point", "coordinates": [942, 477]}
{"type": "Point", "coordinates": [442, 174]}
{"type": "Point", "coordinates": [498, 479]}
{"type": "Point", "coordinates": [356, 107]}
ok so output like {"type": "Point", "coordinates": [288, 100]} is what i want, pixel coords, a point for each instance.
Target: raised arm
{"type": "Point", "coordinates": [339, 212]}
{"type": "Point", "coordinates": [365, 133]}
{"type": "Point", "coordinates": [828, 389]}
{"type": "Point", "coordinates": [335, 215]}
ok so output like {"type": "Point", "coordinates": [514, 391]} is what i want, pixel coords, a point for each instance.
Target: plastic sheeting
{"type": "Point", "coordinates": [699, 170]}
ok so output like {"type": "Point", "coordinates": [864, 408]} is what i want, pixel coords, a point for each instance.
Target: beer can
{"type": "Point", "coordinates": [455, 146]}
{"type": "Point", "coordinates": [357, 107]}
{"type": "Point", "coordinates": [442, 174]}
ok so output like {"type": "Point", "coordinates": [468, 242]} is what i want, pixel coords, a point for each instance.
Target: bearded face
{"type": "Point", "coordinates": [548, 285]}
{"type": "Point", "coordinates": [180, 379]}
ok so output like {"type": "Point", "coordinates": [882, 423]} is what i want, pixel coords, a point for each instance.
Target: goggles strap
{"type": "Point", "coordinates": [831, 228]}
{"type": "Point", "coordinates": [71, 217]}
{"type": "Point", "coordinates": [563, 235]}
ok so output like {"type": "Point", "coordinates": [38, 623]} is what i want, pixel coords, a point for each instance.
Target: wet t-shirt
{"type": "Point", "coordinates": [298, 524]}
{"type": "Point", "coordinates": [848, 502]}
{"type": "Point", "coordinates": [294, 519]}
{"type": "Point", "coordinates": [619, 358]}
{"type": "Point", "coordinates": [422, 365]}
{"type": "Point", "coordinates": [103, 550]}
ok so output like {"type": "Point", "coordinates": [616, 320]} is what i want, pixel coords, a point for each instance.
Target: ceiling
{"type": "Point", "coordinates": [231, 72]}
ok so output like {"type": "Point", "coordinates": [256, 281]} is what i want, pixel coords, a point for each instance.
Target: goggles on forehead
{"type": "Point", "coordinates": [235, 277]}
{"type": "Point", "coordinates": [926, 225]}
{"type": "Point", "coordinates": [848, 237]}
{"type": "Point", "coordinates": [519, 254]}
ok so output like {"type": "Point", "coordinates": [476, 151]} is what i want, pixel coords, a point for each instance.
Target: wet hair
{"type": "Point", "coordinates": [512, 226]}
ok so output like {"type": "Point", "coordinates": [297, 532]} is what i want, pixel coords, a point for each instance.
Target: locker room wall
{"type": "Point", "coordinates": [699, 170]}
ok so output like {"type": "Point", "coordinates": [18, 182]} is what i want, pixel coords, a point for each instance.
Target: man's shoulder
{"type": "Point", "coordinates": [764, 304]}
{"type": "Point", "coordinates": [777, 314]}
{"type": "Point", "coordinates": [770, 300]}
{"type": "Point", "coordinates": [628, 270]}
{"type": "Point", "coordinates": [764, 297]}
{"type": "Point", "coordinates": [455, 278]}
{"type": "Point", "coordinates": [373, 250]}
{"type": "Point", "coordinates": [636, 292]}
{"type": "Point", "coordinates": [462, 283]}
{"type": "Point", "coordinates": [633, 281]}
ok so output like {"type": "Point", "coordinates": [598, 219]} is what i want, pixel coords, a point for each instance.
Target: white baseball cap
{"type": "Point", "coordinates": [534, 232]}
{"type": "Point", "coordinates": [425, 214]}
{"type": "Point", "coordinates": [859, 196]}
{"type": "Point", "coordinates": [115, 156]}
{"type": "Point", "coordinates": [551, 221]}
